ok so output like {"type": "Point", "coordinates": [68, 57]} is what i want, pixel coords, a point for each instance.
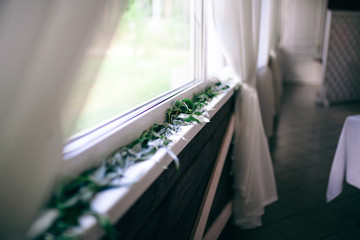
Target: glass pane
{"type": "Point", "coordinates": [150, 54]}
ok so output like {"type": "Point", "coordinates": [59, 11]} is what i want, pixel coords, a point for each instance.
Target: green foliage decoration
{"type": "Point", "coordinates": [71, 199]}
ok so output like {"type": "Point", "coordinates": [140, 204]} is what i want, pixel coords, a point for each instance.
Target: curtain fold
{"type": "Point", "coordinates": [265, 89]}
{"type": "Point", "coordinates": [268, 30]}
{"type": "Point", "coordinates": [277, 77]}
{"type": "Point", "coordinates": [42, 45]}
{"type": "Point", "coordinates": [237, 24]}
{"type": "Point", "coordinates": [265, 81]}
{"type": "Point", "coordinates": [253, 172]}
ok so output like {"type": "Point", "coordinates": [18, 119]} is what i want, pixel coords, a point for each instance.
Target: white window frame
{"type": "Point", "coordinates": [88, 148]}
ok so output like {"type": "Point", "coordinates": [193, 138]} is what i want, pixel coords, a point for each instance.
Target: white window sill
{"type": "Point", "coordinates": [115, 202]}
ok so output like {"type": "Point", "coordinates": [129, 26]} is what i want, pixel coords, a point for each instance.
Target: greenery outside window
{"type": "Point", "coordinates": [156, 51]}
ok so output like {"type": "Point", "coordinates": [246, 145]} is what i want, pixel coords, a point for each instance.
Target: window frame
{"type": "Point", "coordinates": [88, 148]}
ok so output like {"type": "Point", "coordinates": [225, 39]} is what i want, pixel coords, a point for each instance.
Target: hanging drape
{"type": "Point", "coordinates": [42, 45]}
{"type": "Point", "coordinates": [268, 30]}
{"type": "Point", "coordinates": [265, 81]}
{"type": "Point", "coordinates": [275, 61]}
{"type": "Point", "coordinates": [275, 52]}
{"type": "Point", "coordinates": [237, 24]}
{"type": "Point", "coordinates": [265, 89]}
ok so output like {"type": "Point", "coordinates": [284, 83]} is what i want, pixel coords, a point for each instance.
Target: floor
{"type": "Point", "coordinates": [302, 152]}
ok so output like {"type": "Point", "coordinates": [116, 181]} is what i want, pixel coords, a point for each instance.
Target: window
{"type": "Point", "coordinates": [155, 52]}
{"type": "Point", "coordinates": [151, 53]}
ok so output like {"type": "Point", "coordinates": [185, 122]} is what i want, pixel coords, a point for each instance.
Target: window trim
{"type": "Point", "coordinates": [89, 147]}
{"type": "Point", "coordinates": [106, 139]}
{"type": "Point", "coordinates": [87, 138]}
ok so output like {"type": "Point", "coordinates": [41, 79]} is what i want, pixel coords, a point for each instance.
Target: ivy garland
{"type": "Point", "coordinates": [71, 199]}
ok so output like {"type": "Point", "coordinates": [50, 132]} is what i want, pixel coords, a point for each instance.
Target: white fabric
{"type": "Point", "coordinates": [268, 33]}
{"type": "Point", "coordinates": [232, 19]}
{"type": "Point", "coordinates": [265, 85]}
{"type": "Point", "coordinates": [237, 24]}
{"type": "Point", "coordinates": [277, 78]}
{"type": "Point", "coordinates": [346, 163]}
{"type": "Point", "coordinates": [254, 176]}
{"type": "Point", "coordinates": [214, 56]}
{"type": "Point", "coordinates": [265, 88]}
{"type": "Point", "coordinates": [42, 43]}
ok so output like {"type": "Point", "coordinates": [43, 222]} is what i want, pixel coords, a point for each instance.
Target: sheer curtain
{"type": "Point", "coordinates": [42, 45]}
{"type": "Point", "coordinates": [237, 24]}
{"type": "Point", "coordinates": [275, 61]}
{"type": "Point", "coordinates": [269, 33]}
{"type": "Point", "coordinates": [265, 81]}
{"type": "Point", "coordinates": [265, 89]}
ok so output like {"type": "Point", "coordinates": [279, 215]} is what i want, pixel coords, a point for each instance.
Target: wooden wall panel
{"type": "Point", "coordinates": [224, 192]}
{"type": "Point", "coordinates": [167, 210]}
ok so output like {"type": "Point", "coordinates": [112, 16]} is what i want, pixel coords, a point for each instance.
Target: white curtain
{"type": "Point", "coordinates": [269, 34]}
{"type": "Point", "coordinates": [275, 63]}
{"type": "Point", "coordinates": [265, 89]}
{"type": "Point", "coordinates": [42, 45]}
{"type": "Point", "coordinates": [265, 82]}
{"type": "Point", "coordinates": [237, 24]}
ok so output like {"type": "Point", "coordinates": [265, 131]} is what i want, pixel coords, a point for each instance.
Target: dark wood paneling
{"type": "Point", "coordinates": [184, 228]}
{"type": "Point", "coordinates": [182, 197]}
{"type": "Point", "coordinates": [167, 218]}
{"type": "Point", "coordinates": [174, 196]}
{"type": "Point", "coordinates": [224, 192]}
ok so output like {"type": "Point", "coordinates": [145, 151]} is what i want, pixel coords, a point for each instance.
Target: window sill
{"type": "Point", "coordinates": [114, 203]}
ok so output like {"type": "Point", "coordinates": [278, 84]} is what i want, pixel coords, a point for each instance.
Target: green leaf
{"type": "Point", "coordinates": [184, 108]}
{"type": "Point", "coordinates": [188, 118]}
{"type": "Point", "coordinates": [192, 118]}
{"type": "Point", "coordinates": [188, 102]}
{"type": "Point", "coordinates": [177, 104]}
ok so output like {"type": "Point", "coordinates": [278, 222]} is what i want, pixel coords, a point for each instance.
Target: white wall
{"type": "Point", "coordinates": [302, 39]}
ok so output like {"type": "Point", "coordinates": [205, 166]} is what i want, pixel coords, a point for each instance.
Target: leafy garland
{"type": "Point", "coordinates": [71, 199]}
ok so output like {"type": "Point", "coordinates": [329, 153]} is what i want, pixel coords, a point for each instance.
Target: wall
{"type": "Point", "coordinates": [301, 40]}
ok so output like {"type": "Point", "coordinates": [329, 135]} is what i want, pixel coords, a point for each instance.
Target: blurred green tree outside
{"type": "Point", "coordinates": [149, 54]}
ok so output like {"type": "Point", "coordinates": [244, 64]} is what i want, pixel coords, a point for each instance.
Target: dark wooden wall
{"type": "Point", "coordinates": [168, 209]}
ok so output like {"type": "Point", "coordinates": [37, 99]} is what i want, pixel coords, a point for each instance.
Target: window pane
{"type": "Point", "coordinates": [150, 54]}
